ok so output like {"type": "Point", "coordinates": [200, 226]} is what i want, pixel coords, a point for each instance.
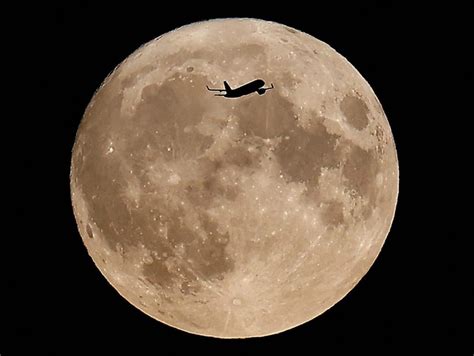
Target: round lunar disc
{"type": "Point", "coordinates": [234, 217]}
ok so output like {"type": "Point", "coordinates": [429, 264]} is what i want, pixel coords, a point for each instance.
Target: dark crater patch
{"type": "Point", "coordinates": [360, 170]}
{"type": "Point", "coordinates": [240, 156]}
{"type": "Point", "coordinates": [265, 116]}
{"type": "Point", "coordinates": [355, 110]}
{"type": "Point", "coordinates": [177, 231]}
{"type": "Point", "coordinates": [332, 213]}
{"type": "Point", "coordinates": [166, 110]}
{"type": "Point", "coordinates": [157, 273]}
{"type": "Point", "coordinates": [89, 231]}
{"type": "Point", "coordinates": [204, 258]}
{"type": "Point", "coordinates": [305, 152]}
{"type": "Point", "coordinates": [201, 192]}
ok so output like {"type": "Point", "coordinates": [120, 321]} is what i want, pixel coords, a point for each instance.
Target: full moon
{"type": "Point", "coordinates": [241, 217]}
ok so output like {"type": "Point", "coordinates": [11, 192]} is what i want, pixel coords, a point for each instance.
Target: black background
{"type": "Point", "coordinates": [57, 302]}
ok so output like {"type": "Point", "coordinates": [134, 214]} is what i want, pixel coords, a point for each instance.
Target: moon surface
{"type": "Point", "coordinates": [234, 218]}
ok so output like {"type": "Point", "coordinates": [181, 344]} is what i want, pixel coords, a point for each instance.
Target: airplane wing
{"type": "Point", "coordinates": [210, 89]}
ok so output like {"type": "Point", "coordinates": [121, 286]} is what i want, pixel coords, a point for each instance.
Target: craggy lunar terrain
{"type": "Point", "coordinates": [234, 217]}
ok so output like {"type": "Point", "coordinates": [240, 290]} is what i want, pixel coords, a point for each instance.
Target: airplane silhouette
{"type": "Point", "coordinates": [256, 85]}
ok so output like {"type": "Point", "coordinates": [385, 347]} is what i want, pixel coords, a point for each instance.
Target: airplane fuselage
{"type": "Point", "coordinates": [245, 89]}
{"type": "Point", "coordinates": [255, 86]}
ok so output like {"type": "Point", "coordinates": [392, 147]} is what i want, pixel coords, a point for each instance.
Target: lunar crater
{"type": "Point", "coordinates": [355, 110]}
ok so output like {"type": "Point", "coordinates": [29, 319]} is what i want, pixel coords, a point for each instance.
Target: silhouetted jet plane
{"type": "Point", "coordinates": [254, 86]}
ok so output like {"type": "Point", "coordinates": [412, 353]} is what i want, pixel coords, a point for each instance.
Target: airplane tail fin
{"type": "Point", "coordinates": [227, 86]}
